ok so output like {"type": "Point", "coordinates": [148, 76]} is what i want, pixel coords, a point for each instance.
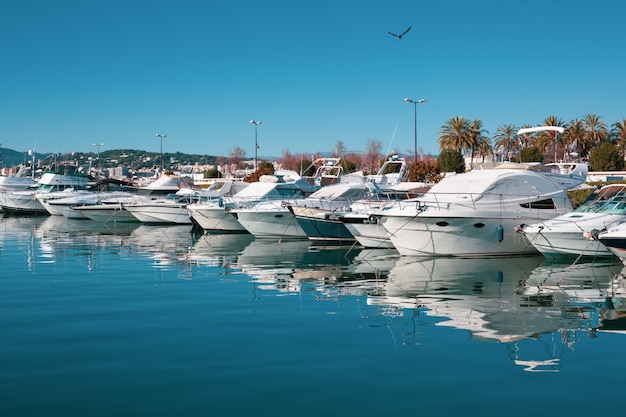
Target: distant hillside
{"type": "Point", "coordinates": [135, 159]}
{"type": "Point", "coordinates": [10, 158]}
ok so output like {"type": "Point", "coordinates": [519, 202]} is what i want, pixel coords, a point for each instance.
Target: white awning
{"type": "Point", "coordinates": [539, 129]}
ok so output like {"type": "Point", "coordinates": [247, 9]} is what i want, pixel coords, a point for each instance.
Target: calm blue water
{"type": "Point", "coordinates": [153, 320]}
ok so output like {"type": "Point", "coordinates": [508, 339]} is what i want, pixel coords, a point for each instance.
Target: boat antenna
{"type": "Point", "coordinates": [391, 142]}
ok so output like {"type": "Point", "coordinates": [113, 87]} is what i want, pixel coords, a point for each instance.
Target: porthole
{"type": "Point", "coordinates": [442, 224]}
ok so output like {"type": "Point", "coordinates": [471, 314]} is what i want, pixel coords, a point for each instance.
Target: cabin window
{"type": "Point", "coordinates": [442, 224]}
{"type": "Point", "coordinates": [479, 225]}
{"type": "Point", "coordinates": [547, 204]}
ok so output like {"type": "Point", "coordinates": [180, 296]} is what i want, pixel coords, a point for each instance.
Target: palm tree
{"type": "Point", "coordinates": [596, 130]}
{"type": "Point", "coordinates": [480, 143]}
{"type": "Point", "coordinates": [618, 133]}
{"type": "Point", "coordinates": [454, 135]}
{"type": "Point", "coordinates": [505, 138]}
{"type": "Point", "coordinates": [547, 139]}
{"type": "Point", "coordinates": [525, 140]}
{"type": "Point", "coordinates": [484, 148]}
{"type": "Point", "coordinates": [573, 135]}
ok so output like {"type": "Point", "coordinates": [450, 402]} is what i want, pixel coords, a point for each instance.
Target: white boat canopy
{"type": "Point", "coordinates": [539, 129]}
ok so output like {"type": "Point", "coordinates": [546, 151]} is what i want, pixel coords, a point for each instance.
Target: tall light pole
{"type": "Point", "coordinates": [162, 137]}
{"type": "Point", "coordinates": [98, 160]}
{"type": "Point", "coordinates": [415, 103]}
{"type": "Point", "coordinates": [256, 143]}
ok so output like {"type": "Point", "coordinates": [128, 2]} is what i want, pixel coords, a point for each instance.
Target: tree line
{"type": "Point", "coordinates": [587, 139]}
{"type": "Point", "coordinates": [579, 138]}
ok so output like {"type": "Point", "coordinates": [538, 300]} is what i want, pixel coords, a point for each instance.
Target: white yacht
{"type": "Point", "coordinates": [64, 206]}
{"type": "Point", "coordinates": [216, 216]}
{"type": "Point", "coordinates": [367, 228]}
{"type": "Point", "coordinates": [20, 181]}
{"type": "Point", "coordinates": [613, 238]}
{"type": "Point", "coordinates": [324, 215]}
{"type": "Point", "coordinates": [564, 235]}
{"type": "Point", "coordinates": [170, 210]}
{"type": "Point", "coordinates": [319, 215]}
{"type": "Point", "coordinates": [51, 184]}
{"type": "Point", "coordinates": [476, 213]}
{"type": "Point", "coordinates": [173, 208]}
{"type": "Point", "coordinates": [272, 218]}
{"type": "Point", "coordinates": [111, 208]}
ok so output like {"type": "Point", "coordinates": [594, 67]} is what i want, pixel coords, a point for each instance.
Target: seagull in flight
{"type": "Point", "coordinates": [400, 35]}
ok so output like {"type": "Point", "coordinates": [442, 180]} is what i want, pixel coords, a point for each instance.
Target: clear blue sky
{"type": "Point", "coordinates": [77, 72]}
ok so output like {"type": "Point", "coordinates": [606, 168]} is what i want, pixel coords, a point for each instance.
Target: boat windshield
{"type": "Point", "coordinates": [616, 204]}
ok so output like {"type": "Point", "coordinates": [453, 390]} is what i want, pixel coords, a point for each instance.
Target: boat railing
{"type": "Point", "coordinates": [489, 202]}
{"type": "Point", "coordinates": [327, 204]}
{"type": "Point", "coordinates": [247, 202]}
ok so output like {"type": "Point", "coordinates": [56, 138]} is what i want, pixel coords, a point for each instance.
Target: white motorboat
{"type": "Point", "coordinates": [17, 182]}
{"type": "Point", "coordinates": [65, 206]}
{"type": "Point", "coordinates": [269, 219]}
{"type": "Point", "coordinates": [564, 235]}
{"type": "Point", "coordinates": [613, 238]}
{"type": "Point", "coordinates": [216, 216]}
{"type": "Point", "coordinates": [170, 210]}
{"type": "Point", "coordinates": [112, 207]}
{"type": "Point", "coordinates": [173, 208]}
{"type": "Point", "coordinates": [367, 230]}
{"type": "Point", "coordinates": [321, 216]}
{"type": "Point", "coordinates": [476, 213]}
{"type": "Point", "coordinates": [110, 210]}
{"type": "Point", "coordinates": [51, 184]}
{"type": "Point", "coordinates": [162, 186]}
{"type": "Point", "coordinates": [277, 218]}
{"type": "Point", "coordinates": [272, 218]}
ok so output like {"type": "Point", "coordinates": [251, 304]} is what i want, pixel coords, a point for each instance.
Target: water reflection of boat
{"type": "Point", "coordinates": [293, 264]}
{"type": "Point", "coordinates": [55, 225]}
{"type": "Point", "coordinates": [517, 300]}
{"type": "Point", "coordinates": [62, 239]}
{"type": "Point", "coordinates": [17, 226]}
{"type": "Point", "coordinates": [208, 246]}
{"type": "Point", "coordinates": [555, 283]}
{"type": "Point", "coordinates": [218, 249]}
{"type": "Point", "coordinates": [370, 264]}
{"type": "Point", "coordinates": [466, 287]}
{"type": "Point", "coordinates": [264, 254]}
{"type": "Point", "coordinates": [164, 244]}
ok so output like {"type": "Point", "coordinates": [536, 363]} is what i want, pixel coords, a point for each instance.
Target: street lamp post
{"type": "Point", "coordinates": [256, 124]}
{"type": "Point", "coordinates": [415, 103]}
{"type": "Point", "coordinates": [98, 158]}
{"type": "Point", "coordinates": [162, 137]}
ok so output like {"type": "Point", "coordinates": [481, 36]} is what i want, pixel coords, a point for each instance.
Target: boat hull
{"type": "Point", "coordinates": [457, 236]}
{"type": "Point", "coordinates": [215, 219]}
{"type": "Point", "coordinates": [325, 229]}
{"type": "Point", "coordinates": [278, 223]}
{"type": "Point", "coordinates": [370, 234]}
{"type": "Point", "coordinates": [21, 202]}
{"type": "Point", "coordinates": [614, 240]}
{"type": "Point", "coordinates": [107, 213]}
{"type": "Point", "coordinates": [565, 236]}
{"type": "Point", "coordinates": [160, 213]}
